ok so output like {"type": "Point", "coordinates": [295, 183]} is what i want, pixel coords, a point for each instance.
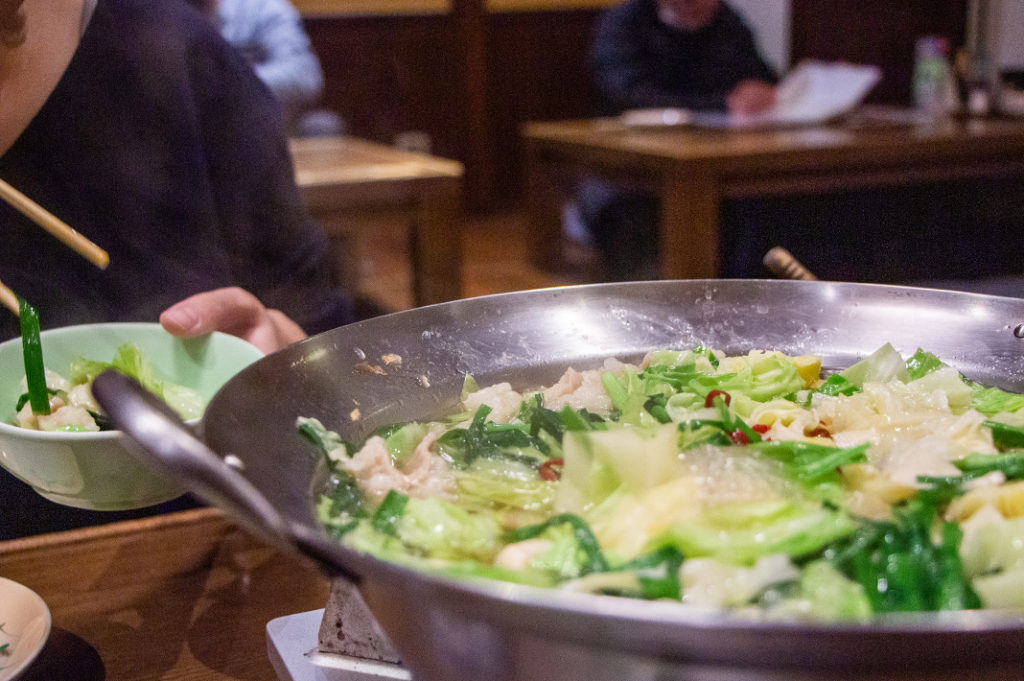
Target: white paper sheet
{"type": "Point", "coordinates": [814, 92]}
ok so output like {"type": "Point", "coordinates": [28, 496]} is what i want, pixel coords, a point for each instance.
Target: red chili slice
{"type": "Point", "coordinates": [551, 469]}
{"type": "Point", "coordinates": [710, 399]}
{"type": "Point", "coordinates": [820, 431]}
{"type": "Point", "coordinates": [760, 428]}
{"type": "Point", "coordinates": [739, 437]}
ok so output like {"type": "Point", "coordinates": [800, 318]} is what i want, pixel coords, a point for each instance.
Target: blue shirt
{"type": "Point", "coordinates": [270, 35]}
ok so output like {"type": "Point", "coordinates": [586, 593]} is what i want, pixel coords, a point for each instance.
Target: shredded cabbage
{"type": "Point", "coordinates": [756, 484]}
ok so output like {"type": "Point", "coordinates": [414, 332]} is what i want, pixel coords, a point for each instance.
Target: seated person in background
{"type": "Point", "coordinates": [137, 124]}
{"type": "Point", "coordinates": [694, 54]}
{"type": "Point", "coordinates": [270, 35]}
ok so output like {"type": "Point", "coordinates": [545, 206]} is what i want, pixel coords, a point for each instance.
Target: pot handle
{"type": "Point", "coordinates": [163, 441]}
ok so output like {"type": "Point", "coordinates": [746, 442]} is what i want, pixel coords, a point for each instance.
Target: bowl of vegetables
{"type": "Point", "coordinates": [58, 440]}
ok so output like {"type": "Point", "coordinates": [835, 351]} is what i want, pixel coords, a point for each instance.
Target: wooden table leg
{"type": "Point", "coordinates": [436, 247]}
{"type": "Point", "coordinates": [689, 226]}
{"type": "Point", "coordinates": [343, 249]}
{"type": "Point", "coordinates": [545, 196]}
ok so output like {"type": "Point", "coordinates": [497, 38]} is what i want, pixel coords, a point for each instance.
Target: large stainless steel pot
{"type": "Point", "coordinates": [445, 629]}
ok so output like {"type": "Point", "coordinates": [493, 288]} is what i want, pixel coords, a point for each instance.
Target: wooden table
{"type": "Point", "coordinates": [693, 170]}
{"type": "Point", "coordinates": [341, 177]}
{"type": "Point", "coordinates": [185, 596]}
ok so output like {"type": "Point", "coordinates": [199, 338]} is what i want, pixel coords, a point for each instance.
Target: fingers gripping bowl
{"type": "Point", "coordinates": [498, 630]}
{"type": "Point", "coordinates": [93, 470]}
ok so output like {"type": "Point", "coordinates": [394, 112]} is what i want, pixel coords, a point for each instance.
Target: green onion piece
{"type": "Point", "coordinates": [576, 420]}
{"type": "Point", "coordinates": [658, 573]}
{"type": "Point", "coordinates": [656, 407]}
{"type": "Point", "coordinates": [1005, 436]}
{"type": "Point", "coordinates": [585, 539]}
{"type": "Point", "coordinates": [615, 391]}
{"type": "Point", "coordinates": [836, 385]}
{"type": "Point", "coordinates": [326, 441]}
{"type": "Point", "coordinates": [390, 511]}
{"type": "Point", "coordinates": [953, 590]}
{"type": "Point", "coordinates": [32, 350]}
{"type": "Point", "coordinates": [1010, 464]}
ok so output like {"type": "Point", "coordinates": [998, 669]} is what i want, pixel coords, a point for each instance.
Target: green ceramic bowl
{"type": "Point", "coordinates": [95, 470]}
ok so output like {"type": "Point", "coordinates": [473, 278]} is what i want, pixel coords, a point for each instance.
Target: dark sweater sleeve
{"type": "Point", "coordinates": [749, 64]}
{"type": "Point", "coordinates": [278, 253]}
{"type": "Point", "coordinates": [625, 72]}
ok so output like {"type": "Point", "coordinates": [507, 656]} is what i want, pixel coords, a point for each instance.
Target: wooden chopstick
{"type": "Point", "coordinates": [55, 226]}
{"type": "Point", "coordinates": [9, 300]}
{"type": "Point", "coordinates": [784, 265]}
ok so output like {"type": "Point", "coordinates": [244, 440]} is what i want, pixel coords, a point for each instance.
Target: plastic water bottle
{"type": "Point", "coordinates": [932, 75]}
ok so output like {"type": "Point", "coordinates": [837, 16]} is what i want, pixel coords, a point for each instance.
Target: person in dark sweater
{"type": "Point", "coordinates": [137, 124]}
{"type": "Point", "coordinates": [692, 54]}
{"type": "Point", "coordinates": [155, 140]}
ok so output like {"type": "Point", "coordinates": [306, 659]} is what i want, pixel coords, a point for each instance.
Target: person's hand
{"type": "Point", "coordinates": [750, 96]}
{"type": "Point", "coordinates": [235, 311]}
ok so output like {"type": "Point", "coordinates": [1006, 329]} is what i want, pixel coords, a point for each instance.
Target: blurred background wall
{"type": "Point", "coordinates": [770, 21]}
{"type": "Point", "coordinates": [1009, 19]}
{"type": "Point", "coordinates": [459, 77]}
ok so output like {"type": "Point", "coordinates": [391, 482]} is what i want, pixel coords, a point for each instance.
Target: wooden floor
{"type": "Point", "coordinates": [495, 260]}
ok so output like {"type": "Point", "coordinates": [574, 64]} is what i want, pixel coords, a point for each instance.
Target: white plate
{"type": "Point", "coordinates": [24, 627]}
